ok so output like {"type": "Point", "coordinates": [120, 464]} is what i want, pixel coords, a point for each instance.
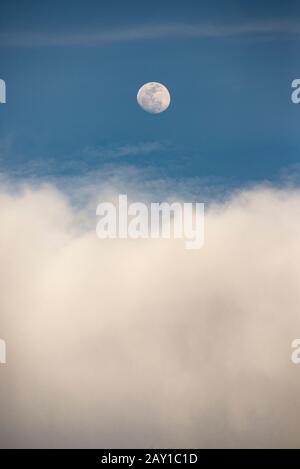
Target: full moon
{"type": "Point", "coordinates": [153, 97]}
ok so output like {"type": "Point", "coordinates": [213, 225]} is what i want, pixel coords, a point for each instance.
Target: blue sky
{"type": "Point", "coordinates": [135, 322]}
{"type": "Point", "coordinates": [73, 70]}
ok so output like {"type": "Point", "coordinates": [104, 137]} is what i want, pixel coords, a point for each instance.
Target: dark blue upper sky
{"type": "Point", "coordinates": [73, 69]}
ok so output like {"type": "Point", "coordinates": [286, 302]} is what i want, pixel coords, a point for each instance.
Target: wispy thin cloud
{"type": "Point", "coordinates": [123, 151]}
{"type": "Point", "coordinates": [147, 32]}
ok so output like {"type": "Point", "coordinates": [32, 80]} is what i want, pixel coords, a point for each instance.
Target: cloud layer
{"type": "Point", "coordinates": [147, 32]}
{"type": "Point", "coordinates": [145, 344]}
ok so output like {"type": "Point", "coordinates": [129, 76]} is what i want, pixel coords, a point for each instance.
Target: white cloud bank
{"type": "Point", "coordinates": [146, 344]}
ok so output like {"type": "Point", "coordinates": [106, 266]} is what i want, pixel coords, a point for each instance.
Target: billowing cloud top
{"type": "Point", "coordinates": [142, 343]}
